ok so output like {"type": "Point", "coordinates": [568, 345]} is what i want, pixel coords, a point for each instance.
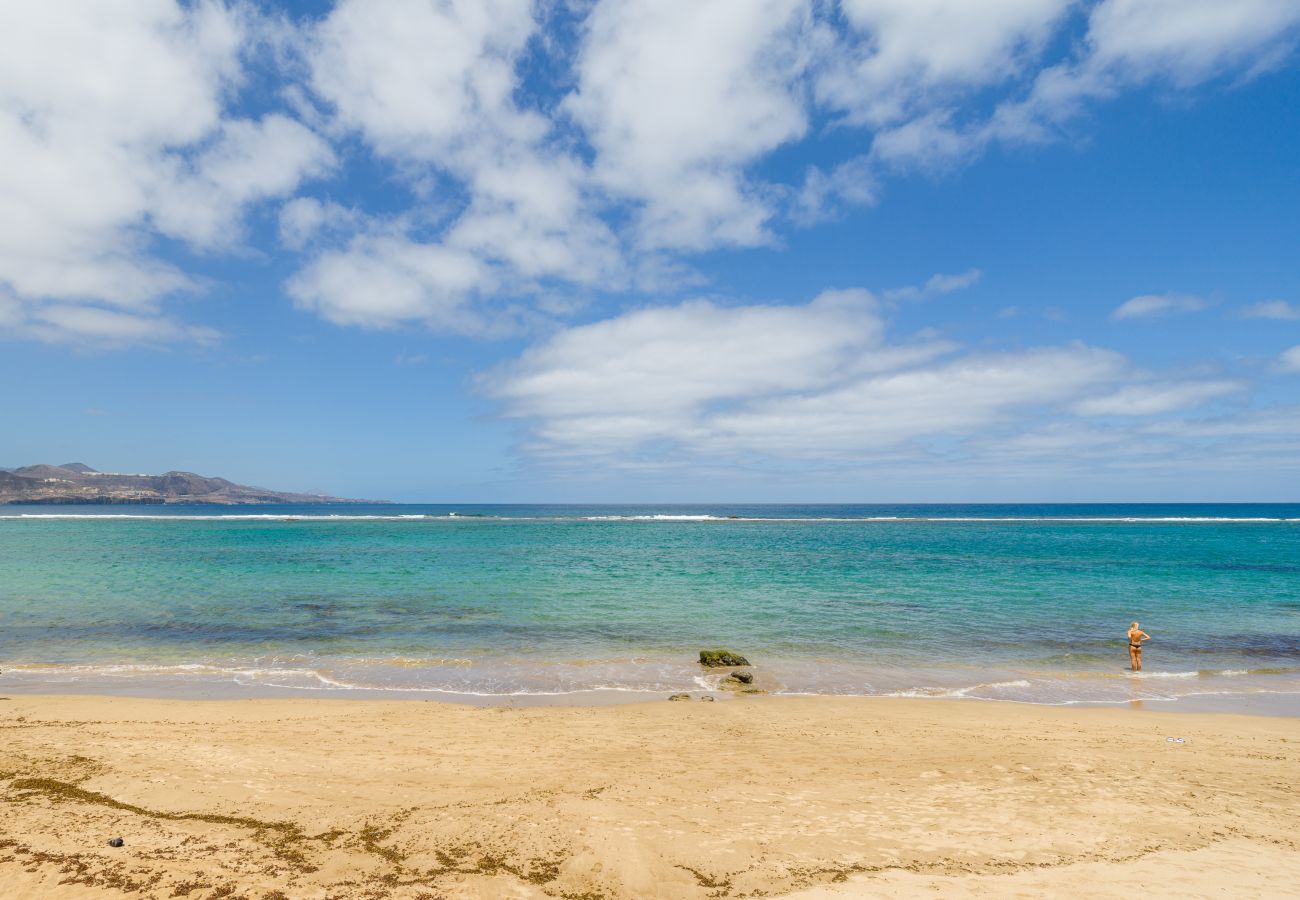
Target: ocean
{"type": "Point", "coordinates": [1022, 603]}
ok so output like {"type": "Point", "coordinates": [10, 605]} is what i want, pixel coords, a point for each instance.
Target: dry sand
{"type": "Point", "coordinates": [801, 797]}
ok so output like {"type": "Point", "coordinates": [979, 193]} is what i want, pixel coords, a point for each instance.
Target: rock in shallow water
{"type": "Point", "coordinates": [714, 659]}
{"type": "Point", "coordinates": [680, 697]}
{"type": "Point", "coordinates": [742, 677]}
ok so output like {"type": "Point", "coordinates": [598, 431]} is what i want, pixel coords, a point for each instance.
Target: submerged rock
{"type": "Point", "coordinates": [707, 698]}
{"type": "Point", "coordinates": [742, 677]}
{"type": "Point", "coordinates": [680, 697]}
{"type": "Point", "coordinates": [715, 659]}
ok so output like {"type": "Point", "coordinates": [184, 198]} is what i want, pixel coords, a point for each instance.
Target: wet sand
{"type": "Point", "coordinates": [803, 797]}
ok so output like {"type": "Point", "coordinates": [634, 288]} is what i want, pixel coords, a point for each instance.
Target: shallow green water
{"type": "Point", "coordinates": [1024, 602]}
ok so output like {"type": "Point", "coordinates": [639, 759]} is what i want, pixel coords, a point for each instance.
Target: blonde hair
{"type": "Point", "coordinates": [1134, 625]}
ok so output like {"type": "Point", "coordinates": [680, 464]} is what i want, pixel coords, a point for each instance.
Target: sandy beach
{"type": "Point", "coordinates": [800, 797]}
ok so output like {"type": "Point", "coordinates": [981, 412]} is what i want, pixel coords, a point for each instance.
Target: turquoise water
{"type": "Point", "coordinates": [998, 602]}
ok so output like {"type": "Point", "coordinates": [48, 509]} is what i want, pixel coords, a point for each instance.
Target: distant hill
{"type": "Point", "coordinates": [79, 483]}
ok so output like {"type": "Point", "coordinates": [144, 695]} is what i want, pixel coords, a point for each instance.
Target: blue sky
{"type": "Point", "coordinates": [871, 250]}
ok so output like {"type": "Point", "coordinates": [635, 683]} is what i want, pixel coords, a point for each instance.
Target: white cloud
{"type": "Point", "coordinates": [410, 359]}
{"type": "Point", "coordinates": [1278, 421]}
{"type": "Point", "coordinates": [674, 392]}
{"type": "Point", "coordinates": [930, 141]}
{"type": "Point", "coordinates": [529, 215]}
{"type": "Point", "coordinates": [425, 80]}
{"type": "Point", "coordinates": [1128, 43]}
{"type": "Point", "coordinates": [1272, 309]}
{"type": "Point", "coordinates": [1201, 455]}
{"type": "Point", "coordinates": [673, 359]}
{"type": "Point", "coordinates": [915, 54]}
{"type": "Point", "coordinates": [304, 220]}
{"type": "Point", "coordinates": [91, 97]}
{"type": "Point", "coordinates": [955, 399]}
{"type": "Point", "coordinates": [650, 138]}
{"type": "Point", "coordinates": [1289, 360]}
{"type": "Point", "coordinates": [1132, 42]}
{"type": "Point", "coordinates": [381, 281]}
{"type": "Point", "coordinates": [677, 97]}
{"type": "Point", "coordinates": [701, 386]}
{"type": "Point", "coordinates": [61, 322]}
{"type": "Point", "coordinates": [1186, 41]}
{"type": "Point", "coordinates": [650, 151]}
{"type": "Point", "coordinates": [784, 381]}
{"type": "Point", "coordinates": [824, 195]}
{"type": "Point", "coordinates": [1157, 398]}
{"type": "Point", "coordinates": [936, 285]}
{"type": "Point", "coordinates": [113, 130]}
{"type": "Point", "coordinates": [247, 161]}
{"type": "Point", "coordinates": [432, 87]}
{"type": "Point", "coordinates": [1150, 306]}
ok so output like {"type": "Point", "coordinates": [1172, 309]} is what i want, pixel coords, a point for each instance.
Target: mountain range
{"type": "Point", "coordinates": [79, 483]}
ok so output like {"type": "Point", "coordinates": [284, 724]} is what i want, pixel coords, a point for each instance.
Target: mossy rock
{"type": "Point", "coordinates": [714, 659]}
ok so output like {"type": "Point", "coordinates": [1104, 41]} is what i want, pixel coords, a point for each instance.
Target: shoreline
{"type": "Point", "coordinates": [806, 797]}
{"type": "Point", "coordinates": [1030, 611]}
{"type": "Point", "coordinates": [1270, 704]}
{"type": "Point", "coordinates": [1268, 691]}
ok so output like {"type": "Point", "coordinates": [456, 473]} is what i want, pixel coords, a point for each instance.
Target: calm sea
{"type": "Point", "coordinates": [1010, 602]}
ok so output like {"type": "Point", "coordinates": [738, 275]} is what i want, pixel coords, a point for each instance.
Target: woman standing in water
{"type": "Point", "coordinates": [1135, 638]}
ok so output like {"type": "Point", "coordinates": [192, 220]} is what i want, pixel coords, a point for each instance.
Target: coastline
{"type": "Point", "coordinates": [502, 604]}
{"type": "Point", "coordinates": [494, 683]}
{"type": "Point", "coordinates": [791, 796]}
{"type": "Point", "coordinates": [1284, 704]}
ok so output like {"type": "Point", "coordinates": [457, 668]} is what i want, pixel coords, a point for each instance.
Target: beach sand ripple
{"type": "Point", "coordinates": [814, 797]}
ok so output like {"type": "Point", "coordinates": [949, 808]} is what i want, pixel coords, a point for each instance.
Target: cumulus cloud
{"type": "Point", "coordinates": [425, 80]}
{"type": "Point", "coordinates": [81, 152]}
{"type": "Point", "coordinates": [652, 148]}
{"type": "Point", "coordinates": [676, 360]}
{"type": "Point", "coordinates": [114, 130]}
{"type": "Point", "coordinates": [1279, 310]}
{"type": "Point", "coordinates": [1133, 42]}
{"type": "Point", "coordinates": [380, 281]}
{"type": "Point", "coordinates": [756, 391]}
{"type": "Point", "coordinates": [952, 400]}
{"type": "Point", "coordinates": [820, 379]}
{"type": "Point", "coordinates": [1186, 41]}
{"type": "Point", "coordinates": [305, 220]}
{"type": "Point", "coordinates": [1127, 44]}
{"type": "Point", "coordinates": [677, 97]}
{"type": "Point", "coordinates": [1150, 306]}
{"type": "Point", "coordinates": [432, 88]}
{"type": "Point", "coordinates": [904, 57]}
{"type": "Point", "coordinates": [521, 162]}
{"type": "Point", "coordinates": [246, 161]}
